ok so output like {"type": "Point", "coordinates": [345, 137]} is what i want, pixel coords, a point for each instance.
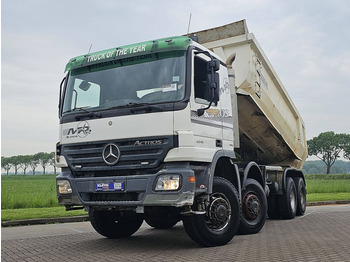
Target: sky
{"type": "Point", "coordinates": [307, 42]}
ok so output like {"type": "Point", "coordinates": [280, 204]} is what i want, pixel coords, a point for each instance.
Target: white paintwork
{"type": "Point", "coordinates": [140, 125]}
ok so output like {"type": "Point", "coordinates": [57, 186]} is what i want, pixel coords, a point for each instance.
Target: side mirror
{"type": "Point", "coordinates": [213, 80]}
{"type": "Point", "coordinates": [214, 65]}
{"type": "Point", "coordinates": [213, 87]}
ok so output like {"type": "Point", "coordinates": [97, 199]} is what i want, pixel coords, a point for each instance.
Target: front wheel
{"type": "Point", "coordinates": [254, 208]}
{"type": "Point", "coordinates": [221, 221]}
{"type": "Point", "coordinates": [115, 224]}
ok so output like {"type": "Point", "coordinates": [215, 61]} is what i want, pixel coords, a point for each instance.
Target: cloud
{"type": "Point", "coordinates": [306, 42]}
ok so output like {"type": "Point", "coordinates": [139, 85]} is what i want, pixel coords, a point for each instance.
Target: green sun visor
{"type": "Point", "coordinates": [150, 47]}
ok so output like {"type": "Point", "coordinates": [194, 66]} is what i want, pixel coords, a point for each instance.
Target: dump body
{"type": "Point", "coordinates": [271, 130]}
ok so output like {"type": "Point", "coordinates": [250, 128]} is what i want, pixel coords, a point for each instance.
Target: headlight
{"type": "Point", "coordinates": [168, 183]}
{"type": "Point", "coordinates": [63, 187]}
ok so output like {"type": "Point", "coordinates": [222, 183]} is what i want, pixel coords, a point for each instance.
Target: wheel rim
{"type": "Point", "coordinates": [292, 199]}
{"type": "Point", "coordinates": [302, 197]}
{"type": "Point", "coordinates": [219, 212]}
{"type": "Point", "coordinates": [251, 207]}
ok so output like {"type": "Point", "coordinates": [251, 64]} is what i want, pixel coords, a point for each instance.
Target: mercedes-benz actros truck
{"type": "Point", "coordinates": [197, 128]}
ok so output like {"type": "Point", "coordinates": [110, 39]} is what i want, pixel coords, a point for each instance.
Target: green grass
{"type": "Point", "coordinates": [28, 196]}
{"type": "Point", "coordinates": [28, 191]}
{"type": "Point", "coordinates": [316, 197]}
{"type": "Point", "coordinates": [327, 187]}
{"type": "Point", "coordinates": [45, 212]}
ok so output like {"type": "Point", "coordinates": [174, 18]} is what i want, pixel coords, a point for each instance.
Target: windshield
{"type": "Point", "coordinates": [147, 79]}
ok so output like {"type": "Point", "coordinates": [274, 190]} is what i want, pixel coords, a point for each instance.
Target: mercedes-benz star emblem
{"type": "Point", "coordinates": [111, 154]}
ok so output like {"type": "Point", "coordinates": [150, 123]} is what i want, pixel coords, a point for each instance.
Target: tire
{"type": "Point", "coordinates": [221, 221]}
{"type": "Point", "coordinates": [273, 207]}
{"type": "Point", "coordinates": [254, 208]}
{"type": "Point", "coordinates": [161, 223]}
{"type": "Point", "coordinates": [115, 224]}
{"type": "Point", "coordinates": [288, 201]}
{"type": "Point", "coordinates": [301, 196]}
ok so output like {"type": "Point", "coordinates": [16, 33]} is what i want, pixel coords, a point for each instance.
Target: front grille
{"type": "Point", "coordinates": [85, 159]}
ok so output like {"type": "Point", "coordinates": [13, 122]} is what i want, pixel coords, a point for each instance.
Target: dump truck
{"type": "Point", "coordinates": [196, 128]}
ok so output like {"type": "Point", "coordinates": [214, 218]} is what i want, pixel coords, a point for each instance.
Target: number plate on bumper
{"type": "Point", "coordinates": [109, 187]}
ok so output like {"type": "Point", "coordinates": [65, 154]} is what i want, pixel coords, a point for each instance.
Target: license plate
{"type": "Point", "coordinates": [109, 187]}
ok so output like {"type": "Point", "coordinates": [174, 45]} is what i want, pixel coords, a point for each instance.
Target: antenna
{"type": "Point", "coordinates": [90, 49]}
{"type": "Point", "coordinates": [189, 24]}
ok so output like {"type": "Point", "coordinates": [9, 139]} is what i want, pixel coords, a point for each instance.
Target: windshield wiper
{"type": "Point", "coordinates": [131, 104]}
{"type": "Point", "coordinates": [90, 114]}
{"type": "Point", "coordinates": [147, 107]}
{"type": "Point", "coordinates": [136, 107]}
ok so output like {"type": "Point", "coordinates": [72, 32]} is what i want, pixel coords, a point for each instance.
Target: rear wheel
{"type": "Point", "coordinates": [288, 201]}
{"type": "Point", "coordinates": [254, 208]}
{"type": "Point", "coordinates": [221, 221]}
{"type": "Point", "coordinates": [301, 196]}
{"type": "Point", "coordinates": [115, 224]}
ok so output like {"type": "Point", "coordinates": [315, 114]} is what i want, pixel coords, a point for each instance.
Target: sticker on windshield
{"type": "Point", "coordinates": [176, 78]}
{"type": "Point", "coordinates": [169, 87]}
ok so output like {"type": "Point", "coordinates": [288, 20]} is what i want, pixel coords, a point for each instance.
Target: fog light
{"type": "Point", "coordinates": [168, 183]}
{"type": "Point", "coordinates": [64, 187]}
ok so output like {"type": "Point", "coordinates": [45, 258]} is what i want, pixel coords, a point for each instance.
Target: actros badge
{"type": "Point", "coordinates": [111, 154]}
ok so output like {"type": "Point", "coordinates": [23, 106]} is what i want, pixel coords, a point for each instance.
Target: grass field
{"type": "Point", "coordinates": [327, 187]}
{"type": "Point", "coordinates": [24, 197]}
{"type": "Point", "coordinates": [28, 191]}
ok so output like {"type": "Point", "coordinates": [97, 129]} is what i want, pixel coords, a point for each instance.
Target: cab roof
{"type": "Point", "coordinates": [143, 48]}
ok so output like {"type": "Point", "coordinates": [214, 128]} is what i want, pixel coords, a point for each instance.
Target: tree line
{"type": "Point", "coordinates": [318, 167]}
{"type": "Point", "coordinates": [25, 162]}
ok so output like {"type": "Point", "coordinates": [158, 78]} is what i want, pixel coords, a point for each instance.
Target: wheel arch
{"type": "Point", "coordinates": [223, 166]}
{"type": "Point", "coordinates": [253, 171]}
{"type": "Point", "coordinates": [292, 173]}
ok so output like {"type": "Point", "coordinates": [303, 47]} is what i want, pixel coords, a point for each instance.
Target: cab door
{"type": "Point", "coordinates": [207, 128]}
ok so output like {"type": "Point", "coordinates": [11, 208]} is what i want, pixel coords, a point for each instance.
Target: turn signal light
{"type": "Point", "coordinates": [191, 179]}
